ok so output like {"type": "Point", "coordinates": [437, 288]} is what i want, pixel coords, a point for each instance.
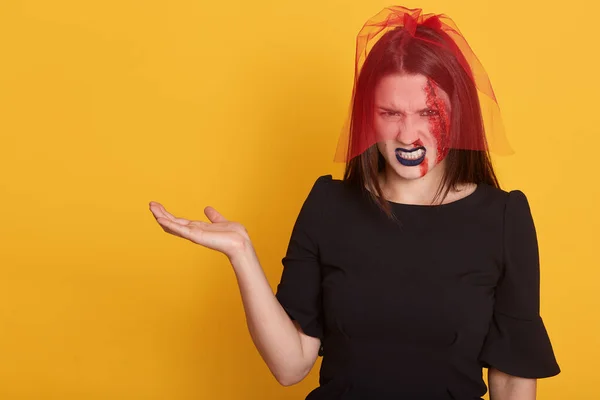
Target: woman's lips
{"type": "Point", "coordinates": [411, 157]}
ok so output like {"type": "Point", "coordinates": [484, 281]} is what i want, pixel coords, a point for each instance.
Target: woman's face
{"type": "Point", "coordinates": [412, 123]}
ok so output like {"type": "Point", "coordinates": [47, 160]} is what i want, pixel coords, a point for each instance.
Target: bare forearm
{"type": "Point", "coordinates": [508, 387]}
{"type": "Point", "coordinates": [273, 332]}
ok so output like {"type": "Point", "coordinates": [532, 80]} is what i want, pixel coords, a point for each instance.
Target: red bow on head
{"type": "Point", "coordinates": [410, 18]}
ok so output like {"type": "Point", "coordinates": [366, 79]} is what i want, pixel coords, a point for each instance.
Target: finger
{"type": "Point", "coordinates": [163, 224]}
{"type": "Point", "coordinates": [172, 217]}
{"type": "Point", "coordinates": [158, 213]}
{"type": "Point", "coordinates": [213, 215]}
{"type": "Point", "coordinates": [160, 210]}
{"type": "Point", "coordinates": [174, 228]}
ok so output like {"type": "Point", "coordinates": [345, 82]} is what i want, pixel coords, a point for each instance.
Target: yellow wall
{"type": "Point", "coordinates": [106, 105]}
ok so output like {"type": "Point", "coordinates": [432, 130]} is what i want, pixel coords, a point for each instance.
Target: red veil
{"type": "Point", "coordinates": [353, 142]}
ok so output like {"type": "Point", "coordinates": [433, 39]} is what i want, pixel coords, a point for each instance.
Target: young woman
{"type": "Point", "coordinates": [414, 271]}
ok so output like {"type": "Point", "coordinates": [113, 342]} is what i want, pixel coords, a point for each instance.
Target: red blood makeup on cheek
{"type": "Point", "coordinates": [424, 167]}
{"type": "Point", "coordinates": [440, 123]}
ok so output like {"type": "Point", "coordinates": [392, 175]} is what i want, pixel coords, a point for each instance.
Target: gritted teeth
{"type": "Point", "coordinates": [412, 154]}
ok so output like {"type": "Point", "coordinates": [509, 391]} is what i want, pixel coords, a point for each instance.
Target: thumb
{"type": "Point", "coordinates": [213, 215]}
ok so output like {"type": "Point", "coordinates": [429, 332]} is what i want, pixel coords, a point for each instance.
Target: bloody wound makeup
{"type": "Point", "coordinates": [440, 122]}
{"type": "Point", "coordinates": [422, 162]}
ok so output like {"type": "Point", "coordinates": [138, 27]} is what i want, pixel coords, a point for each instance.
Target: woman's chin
{"type": "Point", "coordinates": [409, 173]}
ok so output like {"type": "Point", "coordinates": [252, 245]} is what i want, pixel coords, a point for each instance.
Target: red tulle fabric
{"type": "Point", "coordinates": [351, 143]}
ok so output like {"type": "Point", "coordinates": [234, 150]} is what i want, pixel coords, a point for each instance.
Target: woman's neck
{"type": "Point", "coordinates": [408, 191]}
{"type": "Point", "coordinates": [420, 191]}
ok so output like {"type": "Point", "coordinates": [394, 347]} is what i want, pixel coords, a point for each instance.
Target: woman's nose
{"type": "Point", "coordinates": [408, 133]}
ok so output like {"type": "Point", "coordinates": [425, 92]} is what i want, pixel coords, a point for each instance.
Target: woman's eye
{"type": "Point", "coordinates": [430, 113]}
{"type": "Point", "coordinates": [390, 114]}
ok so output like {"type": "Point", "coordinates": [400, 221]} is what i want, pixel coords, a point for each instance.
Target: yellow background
{"type": "Point", "coordinates": [106, 105]}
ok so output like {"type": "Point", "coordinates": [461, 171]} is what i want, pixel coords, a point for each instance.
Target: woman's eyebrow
{"type": "Point", "coordinates": [390, 109]}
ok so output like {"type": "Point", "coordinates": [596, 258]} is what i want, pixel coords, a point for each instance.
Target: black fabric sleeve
{"type": "Point", "coordinates": [518, 343]}
{"type": "Point", "coordinates": [299, 289]}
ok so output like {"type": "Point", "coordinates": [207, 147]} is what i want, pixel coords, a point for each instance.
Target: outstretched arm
{"type": "Point", "coordinates": [288, 352]}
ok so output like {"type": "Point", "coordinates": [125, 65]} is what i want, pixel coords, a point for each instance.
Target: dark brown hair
{"type": "Point", "coordinates": [398, 52]}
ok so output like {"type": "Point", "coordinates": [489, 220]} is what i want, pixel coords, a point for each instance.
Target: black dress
{"type": "Point", "coordinates": [415, 311]}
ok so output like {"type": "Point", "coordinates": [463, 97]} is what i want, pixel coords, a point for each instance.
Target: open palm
{"type": "Point", "coordinates": [219, 234]}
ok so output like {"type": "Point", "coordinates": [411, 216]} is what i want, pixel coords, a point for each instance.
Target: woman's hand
{"type": "Point", "coordinates": [221, 235]}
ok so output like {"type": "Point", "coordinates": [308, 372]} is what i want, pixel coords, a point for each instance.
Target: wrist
{"type": "Point", "coordinates": [242, 255]}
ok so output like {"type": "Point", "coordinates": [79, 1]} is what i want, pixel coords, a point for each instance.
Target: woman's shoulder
{"type": "Point", "coordinates": [500, 194]}
{"type": "Point", "coordinates": [509, 201]}
{"type": "Point", "coordinates": [327, 179]}
{"type": "Point", "coordinates": [328, 185]}
{"type": "Point", "coordinates": [328, 192]}
{"type": "Point", "coordinates": [322, 200]}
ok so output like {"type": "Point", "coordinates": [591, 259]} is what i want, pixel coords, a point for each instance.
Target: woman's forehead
{"type": "Point", "coordinates": [404, 92]}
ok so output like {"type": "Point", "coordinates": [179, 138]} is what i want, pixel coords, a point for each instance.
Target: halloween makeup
{"type": "Point", "coordinates": [412, 120]}
{"type": "Point", "coordinates": [439, 122]}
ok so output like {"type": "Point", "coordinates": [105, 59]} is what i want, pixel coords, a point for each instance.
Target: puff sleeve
{"type": "Point", "coordinates": [299, 289]}
{"type": "Point", "coordinates": [517, 342]}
